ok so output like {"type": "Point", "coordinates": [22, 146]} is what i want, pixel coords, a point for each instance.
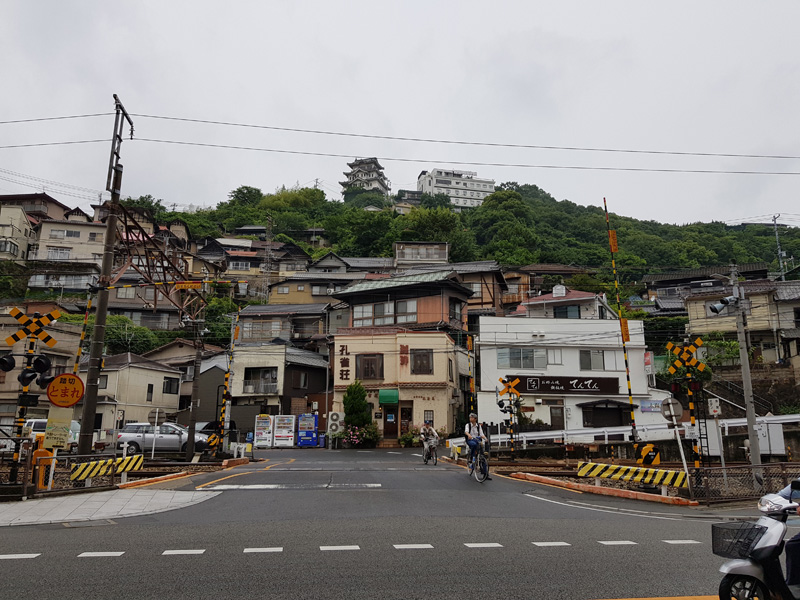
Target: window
{"type": "Point", "coordinates": [369, 366]}
{"type": "Point", "coordinates": [102, 382]}
{"type": "Point", "coordinates": [362, 315]}
{"type": "Point", "coordinates": [407, 311]}
{"type": "Point", "coordinates": [95, 237]}
{"type": "Point", "coordinates": [172, 385]}
{"type": "Point", "coordinates": [571, 311]}
{"type": "Point", "coordinates": [283, 289]}
{"type": "Point", "coordinates": [455, 309]}
{"type": "Point", "coordinates": [239, 266]}
{"type": "Point", "coordinates": [319, 290]}
{"type": "Point", "coordinates": [797, 317]}
{"type": "Point", "coordinates": [301, 288]}
{"type": "Point", "coordinates": [428, 416]}
{"type": "Point", "coordinates": [450, 369]}
{"type": "Point", "coordinates": [149, 392]}
{"type": "Point", "coordinates": [592, 360]}
{"type": "Point", "coordinates": [126, 293]}
{"type": "Point", "coordinates": [187, 372]}
{"type": "Point", "coordinates": [521, 358]}
{"type": "Point", "coordinates": [10, 247]}
{"type": "Point", "coordinates": [554, 356]}
{"type": "Point", "coordinates": [58, 253]}
{"type": "Point", "coordinates": [384, 313]}
{"type": "Point", "coordinates": [300, 379]}
{"type": "Point", "coordinates": [261, 329]}
{"type": "Point", "coordinates": [422, 362]}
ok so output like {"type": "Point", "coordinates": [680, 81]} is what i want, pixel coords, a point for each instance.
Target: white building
{"type": "Point", "coordinates": [465, 188]}
{"type": "Point", "coordinates": [571, 370]}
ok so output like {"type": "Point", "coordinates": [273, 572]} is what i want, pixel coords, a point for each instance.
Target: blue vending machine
{"type": "Point", "coordinates": [307, 430]}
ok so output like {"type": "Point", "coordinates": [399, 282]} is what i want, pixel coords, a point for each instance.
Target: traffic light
{"type": "Point", "coordinates": [27, 376]}
{"type": "Point", "coordinates": [722, 304]}
{"type": "Point", "coordinates": [675, 387]}
{"type": "Point", "coordinates": [42, 364]}
{"type": "Point", "coordinates": [7, 363]}
{"type": "Point", "coordinates": [695, 386]}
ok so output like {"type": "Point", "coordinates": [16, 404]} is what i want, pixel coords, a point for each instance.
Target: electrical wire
{"type": "Point", "coordinates": [67, 143]}
{"type": "Point", "coordinates": [40, 119]}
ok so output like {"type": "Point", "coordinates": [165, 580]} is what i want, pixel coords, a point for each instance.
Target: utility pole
{"type": "Point", "coordinates": [744, 358]}
{"type": "Point", "coordinates": [198, 358]}
{"type": "Point", "coordinates": [113, 185]}
{"type": "Point", "coordinates": [778, 242]}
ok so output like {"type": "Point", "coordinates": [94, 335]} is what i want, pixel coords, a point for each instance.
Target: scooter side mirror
{"type": "Point", "coordinates": [796, 485]}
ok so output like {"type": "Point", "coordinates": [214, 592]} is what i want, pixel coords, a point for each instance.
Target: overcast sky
{"type": "Point", "coordinates": [699, 77]}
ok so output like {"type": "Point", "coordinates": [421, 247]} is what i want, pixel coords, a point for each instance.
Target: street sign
{"type": "Point", "coordinates": [157, 416]}
{"type": "Point", "coordinates": [189, 285]}
{"type": "Point", "coordinates": [56, 433]}
{"type": "Point", "coordinates": [65, 390]}
{"type": "Point", "coordinates": [671, 408]}
{"type": "Point", "coordinates": [626, 332]}
{"type": "Point", "coordinates": [714, 407]}
{"type": "Point", "coordinates": [508, 387]}
{"type": "Point", "coordinates": [685, 356]}
{"type": "Point", "coordinates": [33, 327]}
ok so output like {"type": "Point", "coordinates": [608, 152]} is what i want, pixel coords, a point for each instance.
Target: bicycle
{"type": "Point", "coordinates": [430, 452]}
{"type": "Point", "coordinates": [482, 472]}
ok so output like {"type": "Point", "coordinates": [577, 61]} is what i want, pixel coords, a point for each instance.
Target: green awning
{"type": "Point", "coordinates": [388, 396]}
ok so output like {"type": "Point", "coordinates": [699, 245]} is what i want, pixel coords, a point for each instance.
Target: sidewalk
{"type": "Point", "coordinates": [97, 506]}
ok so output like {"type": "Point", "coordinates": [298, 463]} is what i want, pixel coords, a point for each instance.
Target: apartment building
{"type": "Point", "coordinates": [16, 233]}
{"type": "Point", "coordinates": [465, 189]}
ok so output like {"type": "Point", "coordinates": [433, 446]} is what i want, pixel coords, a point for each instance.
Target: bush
{"type": "Point", "coordinates": [356, 408]}
{"type": "Point", "coordinates": [366, 436]}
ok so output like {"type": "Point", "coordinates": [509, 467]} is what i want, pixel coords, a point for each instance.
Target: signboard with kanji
{"type": "Point", "coordinates": [65, 390]}
{"type": "Point", "coordinates": [569, 385]}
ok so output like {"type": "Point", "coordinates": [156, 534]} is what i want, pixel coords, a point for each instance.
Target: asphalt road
{"type": "Point", "coordinates": [380, 524]}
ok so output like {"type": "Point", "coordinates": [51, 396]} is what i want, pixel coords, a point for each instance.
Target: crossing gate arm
{"type": "Point", "coordinates": [636, 474]}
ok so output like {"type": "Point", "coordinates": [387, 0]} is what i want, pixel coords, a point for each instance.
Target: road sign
{"type": "Point", "coordinates": [65, 390]}
{"type": "Point", "coordinates": [671, 408]}
{"type": "Point", "coordinates": [189, 285]}
{"type": "Point", "coordinates": [714, 407]}
{"type": "Point", "coordinates": [508, 387]}
{"type": "Point", "coordinates": [685, 356]}
{"type": "Point", "coordinates": [33, 327]}
{"type": "Point", "coordinates": [56, 433]}
{"type": "Point", "coordinates": [157, 416]}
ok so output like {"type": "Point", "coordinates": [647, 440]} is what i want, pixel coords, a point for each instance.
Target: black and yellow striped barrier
{"type": "Point", "coordinates": [96, 468]}
{"type": "Point", "coordinates": [634, 474]}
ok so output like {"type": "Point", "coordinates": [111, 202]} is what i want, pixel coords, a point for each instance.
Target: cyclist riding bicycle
{"type": "Point", "coordinates": [428, 436]}
{"type": "Point", "coordinates": [474, 434]}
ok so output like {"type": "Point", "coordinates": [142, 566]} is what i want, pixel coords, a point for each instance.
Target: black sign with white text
{"type": "Point", "coordinates": [566, 385]}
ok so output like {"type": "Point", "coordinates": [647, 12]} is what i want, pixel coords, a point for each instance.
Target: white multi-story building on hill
{"type": "Point", "coordinates": [465, 188]}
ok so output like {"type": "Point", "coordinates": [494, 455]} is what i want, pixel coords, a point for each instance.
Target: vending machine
{"type": "Point", "coordinates": [283, 436]}
{"type": "Point", "coordinates": [307, 430]}
{"type": "Point", "coordinates": [262, 437]}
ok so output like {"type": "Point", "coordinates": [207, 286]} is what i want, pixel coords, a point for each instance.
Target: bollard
{"type": "Point", "coordinates": [124, 477]}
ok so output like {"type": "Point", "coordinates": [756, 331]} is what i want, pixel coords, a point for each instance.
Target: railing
{"type": "Point", "coordinates": [762, 403]}
{"type": "Point", "coordinates": [54, 473]}
{"type": "Point", "coordinates": [741, 482]}
{"type": "Point", "coordinates": [258, 386]}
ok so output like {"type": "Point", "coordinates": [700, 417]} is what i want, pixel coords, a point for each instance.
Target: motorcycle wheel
{"type": "Point", "coordinates": [741, 587]}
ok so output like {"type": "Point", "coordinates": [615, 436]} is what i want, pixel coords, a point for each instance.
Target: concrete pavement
{"type": "Point", "coordinates": [97, 506]}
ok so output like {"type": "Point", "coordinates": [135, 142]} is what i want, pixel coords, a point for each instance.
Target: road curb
{"type": "Point", "coordinates": [604, 491]}
{"type": "Point", "coordinates": [150, 480]}
{"type": "Point", "coordinates": [234, 462]}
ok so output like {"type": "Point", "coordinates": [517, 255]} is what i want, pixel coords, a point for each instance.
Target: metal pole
{"type": "Point", "coordinates": [721, 452]}
{"type": "Point", "coordinates": [198, 357]}
{"type": "Point", "coordinates": [155, 432]}
{"type": "Point", "coordinates": [778, 242]}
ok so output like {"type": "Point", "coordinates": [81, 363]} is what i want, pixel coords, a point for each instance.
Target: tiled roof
{"type": "Point", "coordinates": [118, 361]}
{"type": "Point", "coordinates": [787, 290]}
{"type": "Point", "coordinates": [479, 266]}
{"type": "Point", "coordinates": [570, 295]}
{"type": "Point", "coordinates": [791, 334]}
{"type": "Point", "coordinates": [755, 286]}
{"type": "Point", "coordinates": [241, 253]}
{"type": "Point", "coordinates": [552, 268]}
{"type": "Point", "coordinates": [705, 272]}
{"type": "Point", "coordinates": [283, 309]}
{"type": "Point", "coordinates": [323, 277]}
{"type": "Point", "coordinates": [307, 358]}
{"type": "Point", "coordinates": [234, 242]}
{"type": "Point", "coordinates": [365, 263]}
{"type": "Point", "coordinates": [399, 281]}
{"type": "Point", "coordinates": [670, 304]}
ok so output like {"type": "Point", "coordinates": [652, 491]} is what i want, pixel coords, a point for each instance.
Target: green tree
{"type": "Point", "coordinates": [122, 334]}
{"type": "Point", "coordinates": [356, 408]}
{"type": "Point", "coordinates": [435, 201]}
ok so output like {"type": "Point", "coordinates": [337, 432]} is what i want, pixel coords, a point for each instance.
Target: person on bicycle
{"type": "Point", "coordinates": [428, 435]}
{"type": "Point", "coordinates": [474, 434]}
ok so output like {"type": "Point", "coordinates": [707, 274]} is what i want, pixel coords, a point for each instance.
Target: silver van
{"type": "Point", "coordinates": [169, 437]}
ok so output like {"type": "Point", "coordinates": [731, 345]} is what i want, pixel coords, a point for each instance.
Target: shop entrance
{"type": "Point", "coordinates": [390, 422]}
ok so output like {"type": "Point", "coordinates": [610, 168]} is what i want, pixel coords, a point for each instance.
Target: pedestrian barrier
{"type": "Point", "coordinates": [633, 474]}
{"type": "Point", "coordinates": [95, 468]}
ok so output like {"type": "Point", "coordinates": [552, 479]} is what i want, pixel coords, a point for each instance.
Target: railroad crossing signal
{"type": "Point", "coordinates": [34, 327]}
{"type": "Point", "coordinates": [508, 387]}
{"type": "Point", "coordinates": [685, 356]}
{"type": "Point", "coordinates": [65, 390]}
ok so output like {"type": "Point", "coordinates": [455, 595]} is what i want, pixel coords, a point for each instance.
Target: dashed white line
{"type": "Point", "coordinates": [177, 552]}
{"type": "Point", "coordinates": [254, 550]}
{"type": "Point", "coordinates": [394, 453]}
{"type": "Point", "coordinates": [328, 548]}
{"type": "Point", "coordinates": [485, 545]}
{"type": "Point", "coordinates": [412, 546]}
{"type": "Point", "coordinates": [99, 554]}
{"type": "Point", "coordinates": [681, 541]}
{"type": "Point", "coordinates": [17, 556]}
{"type": "Point", "coordinates": [420, 455]}
{"type": "Point", "coordinates": [617, 543]}
{"type": "Point", "coordinates": [550, 544]}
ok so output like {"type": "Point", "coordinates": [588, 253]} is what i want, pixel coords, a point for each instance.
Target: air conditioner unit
{"type": "Point", "coordinates": [538, 400]}
{"type": "Point", "coordinates": [249, 389]}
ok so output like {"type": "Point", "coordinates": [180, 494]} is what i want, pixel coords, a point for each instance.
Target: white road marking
{"type": "Point", "coordinates": [290, 486]}
{"type": "Point", "coordinates": [420, 455]}
{"type": "Point", "coordinates": [615, 512]}
{"type": "Point", "coordinates": [175, 552]}
{"type": "Point", "coordinates": [485, 545]}
{"type": "Point", "coordinates": [99, 554]}
{"type": "Point", "coordinates": [17, 556]}
{"type": "Point", "coordinates": [550, 544]}
{"type": "Point", "coordinates": [326, 548]}
{"type": "Point", "coordinates": [393, 452]}
{"type": "Point", "coordinates": [412, 546]}
{"type": "Point", "coordinates": [252, 550]}
{"type": "Point", "coordinates": [681, 541]}
{"type": "Point", "coordinates": [364, 451]}
{"type": "Point", "coordinates": [617, 543]}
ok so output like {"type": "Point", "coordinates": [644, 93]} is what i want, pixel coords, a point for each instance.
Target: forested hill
{"type": "Point", "coordinates": [517, 225]}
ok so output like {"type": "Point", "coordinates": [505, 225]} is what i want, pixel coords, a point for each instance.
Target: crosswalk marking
{"type": "Point", "coordinates": [99, 554]}
{"type": "Point", "coordinates": [327, 548]}
{"type": "Point", "coordinates": [681, 541]}
{"type": "Point", "coordinates": [485, 545]}
{"type": "Point", "coordinates": [412, 546]}
{"type": "Point", "coordinates": [17, 556]}
{"type": "Point", "coordinates": [253, 550]}
{"type": "Point", "coordinates": [616, 543]}
{"type": "Point", "coordinates": [176, 552]}
{"type": "Point", "coordinates": [550, 544]}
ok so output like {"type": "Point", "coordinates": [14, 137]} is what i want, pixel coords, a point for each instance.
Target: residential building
{"type": "Point", "coordinates": [295, 324]}
{"type": "Point", "coordinates": [129, 387]}
{"type": "Point", "coordinates": [679, 284]}
{"type": "Point", "coordinates": [406, 344]}
{"type": "Point", "coordinates": [308, 288]}
{"type": "Point", "coordinates": [366, 173]}
{"type": "Point", "coordinates": [465, 189]}
{"type": "Point", "coordinates": [38, 207]}
{"type": "Point", "coordinates": [563, 303]}
{"type": "Point", "coordinates": [543, 276]}
{"type": "Point", "coordinates": [415, 254]}
{"type": "Point", "coordinates": [16, 233]}
{"type": "Point", "coordinates": [275, 379]}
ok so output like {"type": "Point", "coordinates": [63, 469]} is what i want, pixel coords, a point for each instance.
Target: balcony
{"type": "Point", "coordinates": [259, 386]}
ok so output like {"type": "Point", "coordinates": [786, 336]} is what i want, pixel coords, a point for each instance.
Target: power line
{"type": "Point", "coordinates": [463, 142]}
{"type": "Point", "coordinates": [73, 142]}
{"type": "Point", "coordinates": [469, 163]}
{"type": "Point", "coordinates": [51, 182]}
{"type": "Point", "coordinates": [39, 119]}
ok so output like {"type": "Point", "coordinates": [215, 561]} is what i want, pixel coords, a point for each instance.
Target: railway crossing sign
{"type": "Point", "coordinates": [33, 327]}
{"type": "Point", "coordinates": [685, 356]}
{"type": "Point", "coordinates": [508, 387]}
{"type": "Point", "coordinates": [65, 390]}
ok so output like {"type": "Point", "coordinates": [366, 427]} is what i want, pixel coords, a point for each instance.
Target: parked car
{"type": "Point", "coordinates": [209, 427]}
{"type": "Point", "coordinates": [37, 428]}
{"type": "Point", "coordinates": [169, 437]}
